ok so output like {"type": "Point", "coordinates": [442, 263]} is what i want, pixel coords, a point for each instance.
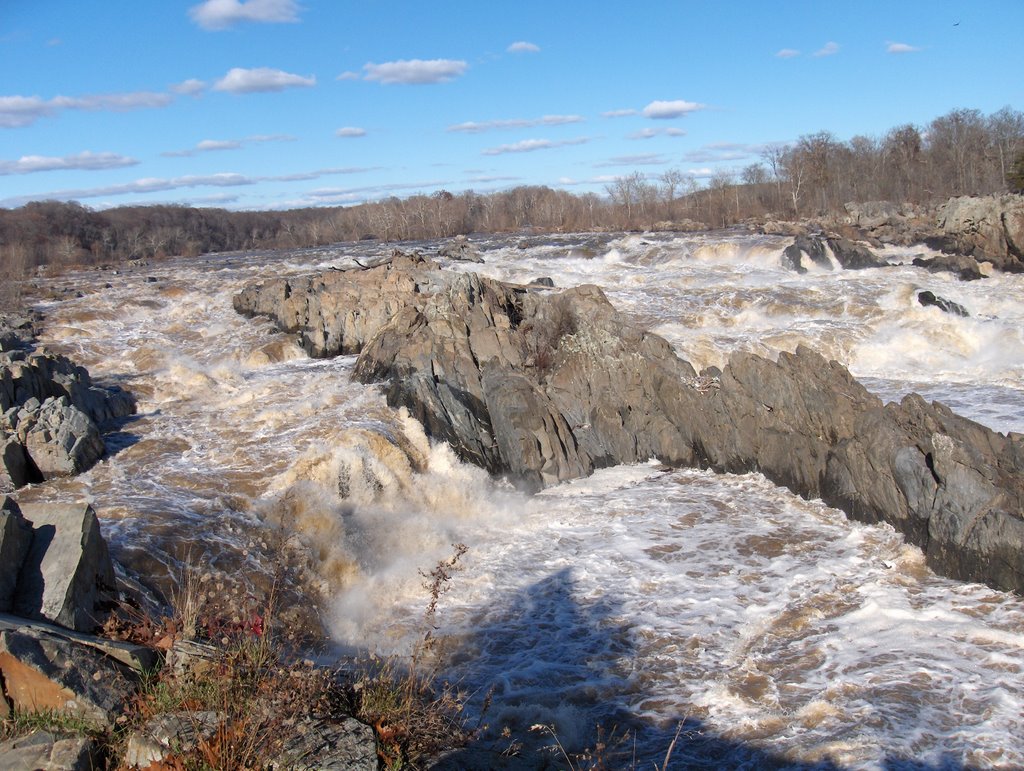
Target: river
{"type": "Point", "coordinates": [642, 599]}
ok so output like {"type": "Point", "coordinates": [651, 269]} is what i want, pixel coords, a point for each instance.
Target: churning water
{"type": "Point", "coordinates": [771, 628]}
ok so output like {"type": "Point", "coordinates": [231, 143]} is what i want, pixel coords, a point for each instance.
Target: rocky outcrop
{"type": "Point", "coordinates": [989, 228]}
{"type": "Point", "coordinates": [544, 387]}
{"type": "Point", "coordinates": [927, 298]}
{"type": "Point", "coordinates": [49, 751]}
{"type": "Point", "coordinates": [460, 249]}
{"type": "Point", "coordinates": [50, 414]}
{"type": "Point", "coordinates": [849, 255]}
{"type": "Point", "coordinates": [963, 267]}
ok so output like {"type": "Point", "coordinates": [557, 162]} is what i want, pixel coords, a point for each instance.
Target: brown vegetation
{"type": "Point", "coordinates": [960, 153]}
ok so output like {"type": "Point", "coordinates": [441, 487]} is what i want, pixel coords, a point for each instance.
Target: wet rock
{"type": "Point", "coordinates": [927, 298]}
{"type": "Point", "coordinates": [543, 281]}
{"type": "Point", "coordinates": [963, 267]}
{"type": "Point", "coordinates": [67, 576]}
{"type": "Point", "coordinates": [460, 249]}
{"type": "Point", "coordinates": [543, 387]}
{"type": "Point", "coordinates": [853, 256]}
{"type": "Point", "coordinates": [812, 246]}
{"type": "Point", "coordinates": [43, 672]}
{"type": "Point", "coordinates": [49, 751]}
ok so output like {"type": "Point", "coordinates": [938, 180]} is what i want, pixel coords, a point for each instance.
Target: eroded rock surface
{"type": "Point", "coordinates": [544, 387]}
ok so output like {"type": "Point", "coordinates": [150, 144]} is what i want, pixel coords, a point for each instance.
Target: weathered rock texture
{"type": "Point", "coordinates": [50, 413]}
{"type": "Point", "coordinates": [544, 387]}
{"type": "Point", "coordinates": [849, 255]}
{"type": "Point", "coordinates": [989, 229]}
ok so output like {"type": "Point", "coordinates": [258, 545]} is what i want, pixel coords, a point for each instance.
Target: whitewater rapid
{"type": "Point", "coordinates": [642, 598]}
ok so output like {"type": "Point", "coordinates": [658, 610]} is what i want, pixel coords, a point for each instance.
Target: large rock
{"type": "Point", "coordinates": [44, 672]}
{"type": "Point", "coordinates": [15, 541]}
{"type": "Point", "coordinates": [990, 229]}
{"type": "Point", "coordinates": [59, 439]}
{"type": "Point", "coordinates": [67, 576]}
{"type": "Point", "coordinates": [543, 387]}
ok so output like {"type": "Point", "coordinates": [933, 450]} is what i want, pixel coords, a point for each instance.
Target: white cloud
{"type": "Point", "coordinates": [722, 151]}
{"type": "Point", "coordinates": [18, 111]}
{"type": "Point", "coordinates": [350, 132]}
{"type": "Point", "coordinates": [29, 164]}
{"type": "Point", "coordinates": [661, 110]}
{"type": "Point", "coordinates": [221, 14]}
{"type": "Point", "coordinates": [190, 87]}
{"type": "Point", "coordinates": [349, 76]}
{"type": "Point", "coordinates": [261, 79]}
{"type": "Point", "coordinates": [159, 184]}
{"type": "Point", "coordinates": [649, 159]}
{"type": "Point", "coordinates": [529, 145]}
{"type": "Point", "coordinates": [787, 53]}
{"type": "Point", "coordinates": [214, 145]}
{"type": "Point", "coordinates": [522, 47]}
{"type": "Point", "coordinates": [650, 133]}
{"type": "Point", "coordinates": [901, 48]}
{"type": "Point", "coordinates": [472, 127]}
{"type": "Point", "coordinates": [828, 49]}
{"type": "Point", "coordinates": [415, 71]}
{"type": "Point", "coordinates": [618, 113]}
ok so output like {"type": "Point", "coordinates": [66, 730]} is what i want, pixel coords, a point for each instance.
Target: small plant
{"type": "Point", "coordinates": [20, 723]}
{"type": "Point", "coordinates": [413, 717]}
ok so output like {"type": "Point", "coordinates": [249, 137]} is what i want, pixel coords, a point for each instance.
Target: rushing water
{"type": "Point", "coordinates": [636, 599]}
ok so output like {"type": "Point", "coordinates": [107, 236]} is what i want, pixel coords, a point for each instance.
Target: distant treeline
{"type": "Point", "coordinates": [961, 153]}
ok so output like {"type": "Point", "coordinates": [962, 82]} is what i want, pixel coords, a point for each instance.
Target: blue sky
{"type": "Point", "coordinates": [267, 104]}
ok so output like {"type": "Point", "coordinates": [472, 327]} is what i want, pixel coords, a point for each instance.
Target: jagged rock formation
{"type": "Point", "coordinates": [545, 386]}
{"type": "Point", "coordinates": [927, 298]}
{"type": "Point", "coordinates": [849, 255]}
{"type": "Point", "coordinates": [50, 413]}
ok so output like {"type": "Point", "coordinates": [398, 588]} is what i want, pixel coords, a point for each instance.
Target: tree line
{"type": "Point", "coordinates": [961, 153]}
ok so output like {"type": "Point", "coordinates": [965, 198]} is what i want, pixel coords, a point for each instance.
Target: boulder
{"type": "Point", "coordinates": [989, 228]}
{"type": "Point", "coordinates": [169, 734]}
{"type": "Point", "coordinates": [43, 672]}
{"type": "Point", "coordinates": [347, 745]}
{"type": "Point", "coordinates": [49, 751]}
{"type": "Point", "coordinates": [853, 256]}
{"type": "Point", "coordinates": [927, 298]}
{"type": "Point", "coordinates": [545, 386]}
{"type": "Point", "coordinates": [15, 468]}
{"type": "Point", "coordinates": [60, 440]}
{"type": "Point", "coordinates": [15, 540]}
{"type": "Point", "coordinates": [461, 250]}
{"type": "Point", "coordinates": [963, 267]}
{"type": "Point", "coordinates": [67, 576]}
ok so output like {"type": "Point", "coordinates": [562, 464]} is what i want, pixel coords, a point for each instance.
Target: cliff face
{"type": "Point", "coordinates": [545, 386]}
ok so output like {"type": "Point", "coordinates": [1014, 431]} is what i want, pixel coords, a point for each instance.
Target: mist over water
{"type": "Point", "coordinates": [637, 598]}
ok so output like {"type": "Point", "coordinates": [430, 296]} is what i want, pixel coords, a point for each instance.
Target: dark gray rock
{"type": "Point", "coordinates": [59, 439]}
{"type": "Point", "coordinates": [347, 745]}
{"type": "Point", "coordinates": [963, 267]}
{"type": "Point", "coordinates": [989, 228]}
{"type": "Point", "coordinates": [67, 576]}
{"type": "Point", "coordinates": [853, 256]}
{"type": "Point", "coordinates": [15, 541]}
{"type": "Point", "coordinates": [927, 298]}
{"type": "Point", "coordinates": [461, 250]}
{"type": "Point", "coordinates": [544, 386]}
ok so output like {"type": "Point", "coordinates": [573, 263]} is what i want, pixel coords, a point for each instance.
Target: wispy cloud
{"type": "Point", "coordinates": [349, 76]}
{"type": "Point", "coordinates": [651, 133]}
{"type": "Point", "coordinates": [350, 132]}
{"type": "Point", "coordinates": [649, 159]}
{"type": "Point", "coordinates": [662, 110]}
{"type": "Point", "coordinates": [160, 184]}
{"type": "Point", "coordinates": [828, 49]}
{"type": "Point", "coordinates": [522, 47]}
{"type": "Point", "coordinates": [190, 87]}
{"type": "Point", "coordinates": [530, 145]}
{"type": "Point", "coordinates": [722, 151]}
{"type": "Point", "coordinates": [85, 161]}
{"type": "Point", "coordinates": [261, 79]}
{"type": "Point", "coordinates": [16, 111]}
{"type": "Point", "coordinates": [900, 48]}
{"type": "Point", "coordinates": [618, 113]}
{"type": "Point", "coordinates": [215, 145]}
{"type": "Point", "coordinates": [415, 71]}
{"type": "Point", "coordinates": [473, 127]}
{"type": "Point", "coordinates": [487, 180]}
{"type": "Point", "coordinates": [787, 53]}
{"type": "Point", "coordinates": [221, 14]}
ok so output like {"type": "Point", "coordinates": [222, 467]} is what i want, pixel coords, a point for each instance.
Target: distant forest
{"type": "Point", "coordinates": [961, 153]}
